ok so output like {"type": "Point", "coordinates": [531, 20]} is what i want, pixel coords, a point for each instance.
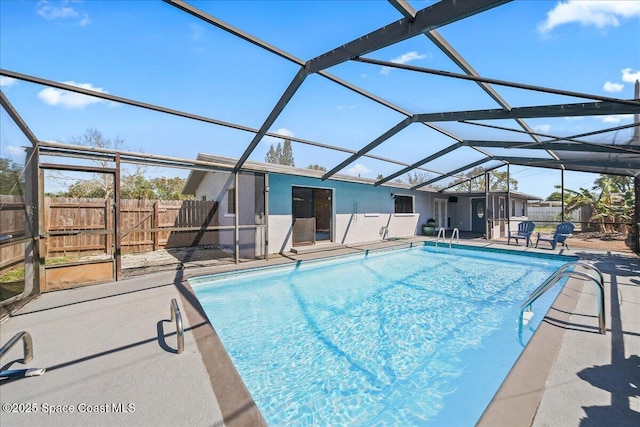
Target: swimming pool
{"type": "Point", "coordinates": [408, 337]}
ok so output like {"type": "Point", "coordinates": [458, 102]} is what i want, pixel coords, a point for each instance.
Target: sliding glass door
{"type": "Point", "coordinates": [311, 204]}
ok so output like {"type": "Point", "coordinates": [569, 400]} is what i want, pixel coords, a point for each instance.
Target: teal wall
{"type": "Point", "coordinates": [370, 199]}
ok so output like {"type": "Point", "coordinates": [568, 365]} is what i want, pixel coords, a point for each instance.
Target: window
{"type": "Point", "coordinates": [403, 204]}
{"type": "Point", "coordinates": [231, 201]}
{"type": "Point", "coordinates": [204, 198]}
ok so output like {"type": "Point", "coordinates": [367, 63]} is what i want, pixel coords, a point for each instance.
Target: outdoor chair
{"type": "Point", "coordinates": [563, 230]}
{"type": "Point", "coordinates": [525, 229]}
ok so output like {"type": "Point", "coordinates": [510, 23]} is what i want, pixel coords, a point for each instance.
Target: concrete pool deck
{"type": "Point", "coordinates": [110, 354]}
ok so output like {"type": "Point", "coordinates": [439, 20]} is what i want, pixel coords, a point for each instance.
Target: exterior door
{"type": "Point", "coordinates": [440, 213]}
{"type": "Point", "coordinates": [478, 216]}
{"type": "Point", "coordinates": [80, 235]}
{"type": "Point", "coordinates": [314, 203]}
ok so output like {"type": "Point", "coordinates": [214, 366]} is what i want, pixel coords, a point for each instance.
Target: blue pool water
{"type": "Point", "coordinates": [411, 337]}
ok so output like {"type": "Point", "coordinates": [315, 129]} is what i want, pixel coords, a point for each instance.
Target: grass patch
{"type": "Point", "coordinates": [8, 290]}
{"type": "Point", "coordinates": [11, 283]}
{"type": "Point", "coordinates": [12, 276]}
{"type": "Point", "coordinates": [60, 260]}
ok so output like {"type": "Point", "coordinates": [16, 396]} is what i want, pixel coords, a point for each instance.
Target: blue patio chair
{"type": "Point", "coordinates": [563, 230]}
{"type": "Point", "coordinates": [525, 229]}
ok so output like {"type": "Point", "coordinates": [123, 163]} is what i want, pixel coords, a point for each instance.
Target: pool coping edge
{"type": "Point", "coordinates": [516, 401]}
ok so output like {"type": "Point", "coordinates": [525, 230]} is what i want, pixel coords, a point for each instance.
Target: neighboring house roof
{"type": "Point", "coordinates": [227, 164]}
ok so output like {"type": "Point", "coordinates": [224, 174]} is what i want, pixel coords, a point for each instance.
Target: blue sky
{"type": "Point", "coordinates": [152, 52]}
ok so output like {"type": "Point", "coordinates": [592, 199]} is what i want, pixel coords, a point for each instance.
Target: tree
{"type": "Point", "coordinates": [281, 155]}
{"type": "Point", "coordinates": [11, 179]}
{"type": "Point", "coordinates": [497, 181]}
{"type": "Point", "coordinates": [169, 188]}
{"type": "Point", "coordinates": [136, 187]}
{"type": "Point", "coordinates": [556, 196]}
{"type": "Point", "coordinates": [287, 154]}
{"type": "Point", "coordinates": [317, 167]}
{"type": "Point", "coordinates": [100, 184]}
{"type": "Point", "coordinates": [417, 177]}
{"type": "Point", "coordinates": [611, 199]}
{"type": "Point", "coordinates": [272, 156]}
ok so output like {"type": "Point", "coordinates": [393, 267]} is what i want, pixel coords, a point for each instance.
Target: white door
{"type": "Point", "coordinates": [440, 213]}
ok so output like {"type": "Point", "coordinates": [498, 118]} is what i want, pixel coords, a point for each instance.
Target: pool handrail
{"type": "Point", "coordinates": [27, 357]}
{"type": "Point", "coordinates": [455, 233]}
{"type": "Point", "coordinates": [548, 282]}
{"type": "Point", "coordinates": [177, 317]}
{"type": "Point", "coordinates": [443, 232]}
{"type": "Point", "coordinates": [562, 273]}
{"type": "Point", "coordinates": [27, 346]}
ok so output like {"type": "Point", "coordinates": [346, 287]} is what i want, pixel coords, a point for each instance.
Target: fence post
{"type": "Point", "coordinates": [107, 236]}
{"type": "Point", "coordinates": [154, 224]}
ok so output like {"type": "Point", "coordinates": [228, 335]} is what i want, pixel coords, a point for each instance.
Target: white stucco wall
{"type": "Point", "coordinates": [462, 209]}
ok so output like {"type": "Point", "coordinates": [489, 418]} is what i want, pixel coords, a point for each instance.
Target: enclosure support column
{"type": "Point", "coordinates": [116, 219]}
{"type": "Point", "coordinates": [236, 222]}
{"type": "Point", "coordinates": [636, 186]}
{"type": "Point", "coordinates": [486, 206]}
{"type": "Point", "coordinates": [508, 207]}
{"type": "Point", "coordinates": [562, 194]}
{"type": "Point", "coordinates": [266, 216]}
{"type": "Point", "coordinates": [32, 206]}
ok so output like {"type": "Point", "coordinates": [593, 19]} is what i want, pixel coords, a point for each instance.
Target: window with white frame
{"type": "Point", "coordinates": [403, 204]}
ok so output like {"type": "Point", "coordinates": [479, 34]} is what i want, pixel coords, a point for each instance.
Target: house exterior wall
{"type": "Point", "coordinates": [214, 186]}
{"type": "Point", "coordinates": [460, 213]}
{"type": "Point", "coordinates": [360, 211]}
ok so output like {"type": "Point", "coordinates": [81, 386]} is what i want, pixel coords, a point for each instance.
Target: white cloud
{"type": "Point", "coordinates": [16, 154]}
{"type": "Point", "coordinates": [618, 118]}
{"type": "Point", "coordinates": [357, 170]}
{"type": "Point", "coordinates": [7, 81]}
{"type": "Point", "coordinates": [542, 128]}
{"type": "Point", "coordinates": [68, 99]}
{"type": "Point", "coordinates": [282, 131]}
{"type": "Point", "coordinates": [55, 10]}
{"type": "Point", "coordinates": [600, 13]}
{"type": "Point", "coordinates": [346, 107]}
{"type": "Point", "coordinates": [630, 77]}
{"type": "Point", "coordinates": [613, 87]}
{"type": "Point", "coordinates": [403, 59]}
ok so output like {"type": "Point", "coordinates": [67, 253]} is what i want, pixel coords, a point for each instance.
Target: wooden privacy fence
{"type": "Point", "coordinates": [12, 223]}
{"type": "Point", "coordinates": [85, 226]}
